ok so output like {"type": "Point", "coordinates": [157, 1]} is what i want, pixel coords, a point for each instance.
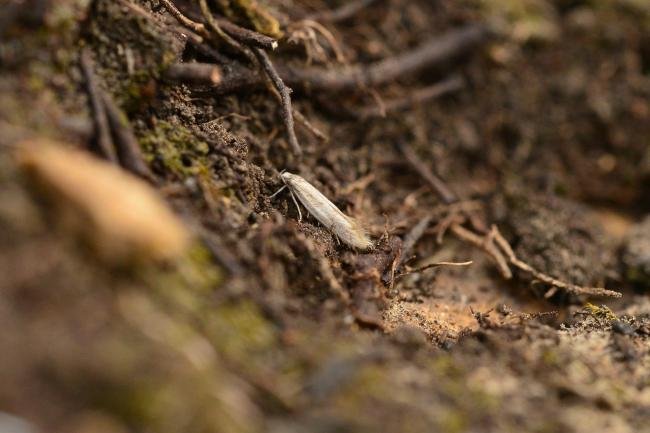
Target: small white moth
{"type": "Point", "coordinates": [345, 228]}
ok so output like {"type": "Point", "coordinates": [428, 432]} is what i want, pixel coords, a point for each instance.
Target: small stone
{"type": "Point", "coordinates": [13, 424]}
{"type": "Point", "coordinates": [120, 215]}
{"type": "Point", "coordinates": [622, 328]}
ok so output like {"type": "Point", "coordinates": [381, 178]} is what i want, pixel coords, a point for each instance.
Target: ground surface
{"type": "Point", "coordinates": [112, 321]}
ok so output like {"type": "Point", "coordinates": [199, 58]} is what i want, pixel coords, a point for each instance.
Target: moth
{"type": "Point", "coordinates": [347, 229]}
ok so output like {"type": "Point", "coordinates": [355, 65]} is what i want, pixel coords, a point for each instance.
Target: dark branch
{"type": "Point", "coordinates": [102, 130]}
{"type": "Point", "coordinates": [125, 141]}
{"type": "Point", "coordinates": [437, 184]}
{"type": "Point", "coordinates": [419, 96]}
{"type": "Point", "coordinates": [431, 53]}
{"type": "Point", "coordinates": [247, 36]}
{"type": "Point", "coordinates": [342, 13]}
{"type": "Point", "coordinates": [285, 96]}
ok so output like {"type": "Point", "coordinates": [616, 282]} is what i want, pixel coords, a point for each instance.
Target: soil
{"type": "Point", "coordinates": [265, 322]}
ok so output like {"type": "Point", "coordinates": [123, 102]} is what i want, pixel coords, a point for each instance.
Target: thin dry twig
{"type": "Point", "coordinates": [525, 267]}
{"type": "Point", "coordinates": [342, 13]}
{"type": "Point", "coordinates": [128, 149]}
{"type": "Point", "coordinates": [246, 36]}
{"type": "Point", "coordinates": [309, 126]}
{"type": "Point", "coordinates": [434, 181]}
{"type": "Point", "coordinates": [414, 235]}
{"type": "Point", "coordinates": [428, 93]}
{"type": "Point", "coordinates": [224, 27]}
{"type": "Point", "coordinates": [215, 27]}
{"type": "Point", "coordinates": [285, 95]}
{"type": "Point", "coordinates": [411, 238]}
{"type": "Point", "coordinates": [432, 52]}
{"type": "Point", "coordinates": [486, 245]}
{"type": "Point", "coordinates": [441, 228]}
{"type": "Point", "coordinates": [433, 265]}
{"type": "Point", "coordinates": [102, 129]}
{"type": "Point", "coordinates": [192, 25]}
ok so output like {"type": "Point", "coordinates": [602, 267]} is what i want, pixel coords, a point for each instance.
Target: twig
{"type": "Point", "coordinates": [215, 27]}
{"type": "Point", "coordinates": [241, 34]}
{"type": "Point", "coordinates": [431, 53]}
{"type": "Point", "coordinates": [125, 141]}
{"type": "Point", "coordinates": [285, 95]}
{"type": "Point", "coordinates": [198, 42]}
{"type": "Point", "coordinates": [568, 287]}
{"type": "Point", "coordinates": [441, 228]}
{"type": "Point", "coordinates": [434, 181]}
{"type": "Point", "coordinates": [192, 25]}
{"type": "Point", "coordinates": [419, 96]}
{"type": "Point", "coordinates": [486, 245]}
{"type": "Point", "coordinates": [411, 238]}
{"type": "Point", "coordinates": [220, 253]}
{"type": "Point", "coordinates": [433, 265]}
{"type": "Point", "coordinates": [309, 126]}
{"type": "Point", "coordinates": [342, 13]}
{"type": "Point", "coordinates": [247, 36]}
{"type": "Point", "coordinates": [199, 73]}
{"type": "Point", "coordinates": [102, 130]}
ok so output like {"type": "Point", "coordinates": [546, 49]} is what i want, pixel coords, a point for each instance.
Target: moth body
{"type": "Point", "coordinates": [320, 207]}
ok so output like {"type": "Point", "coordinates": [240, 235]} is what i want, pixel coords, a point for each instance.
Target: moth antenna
{"type": "Point", "coordinates": [277, 192]}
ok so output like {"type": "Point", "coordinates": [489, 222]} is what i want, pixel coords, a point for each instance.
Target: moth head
{"type": "Point", "coordinates": [286, 176]}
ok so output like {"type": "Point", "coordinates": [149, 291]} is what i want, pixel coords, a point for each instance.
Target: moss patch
{"type": "Point", "coordinates": [252, 14]}
{"type": "Point", "coordinates": [175, 149]}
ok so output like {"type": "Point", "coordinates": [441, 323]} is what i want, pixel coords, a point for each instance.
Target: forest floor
{"type": "Point", "coordinates": [496, 152]}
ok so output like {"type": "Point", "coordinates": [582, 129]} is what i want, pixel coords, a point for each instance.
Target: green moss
{"type": "Point", "coordinates": [186, 287]}
{"type": "Point", "coordinates": [522, 20]}
{"type": "Point", "coordinates": [241, 334]}
{"type": "Point", "coordinates": [600, 312]}
{"type": "Point", "coordinates": [179, 151]}
{"type": "Point", "coordinates": [550, 357]}
{"type": "Point", "coordinates": [252, 14]}
{"type": "Point", "coordinates": [453, 422]}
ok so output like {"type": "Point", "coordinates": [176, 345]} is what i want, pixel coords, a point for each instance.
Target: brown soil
{"type": "Point", "coordinates": [112, 321]}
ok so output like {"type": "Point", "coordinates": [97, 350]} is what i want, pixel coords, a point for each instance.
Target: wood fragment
{"type": "Point", "coordinates": [102, 129]}
{"type": "Point", "coordinates": [196, 73]}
